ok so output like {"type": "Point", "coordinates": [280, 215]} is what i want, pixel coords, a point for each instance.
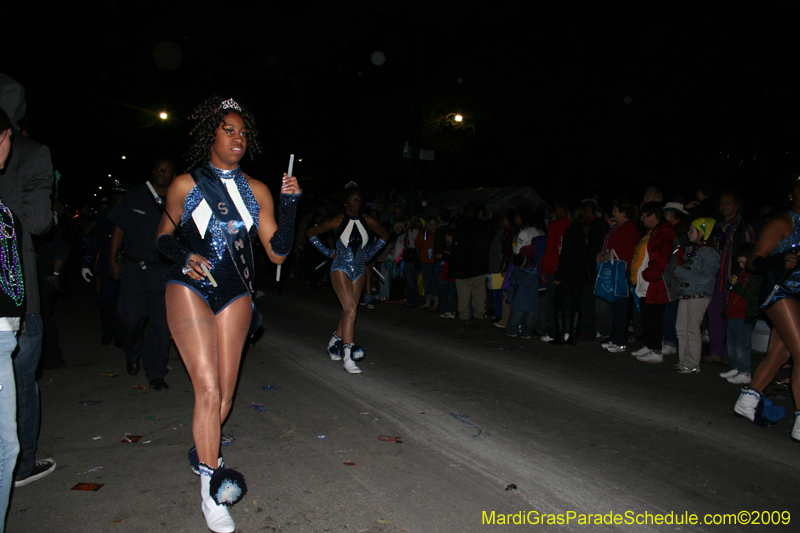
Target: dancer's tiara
{"type": "Point", "coordinates": [230, 103]}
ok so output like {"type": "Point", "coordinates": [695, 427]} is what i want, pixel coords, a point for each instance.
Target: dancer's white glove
{"type": "Point", "coordinates": [86, 273]}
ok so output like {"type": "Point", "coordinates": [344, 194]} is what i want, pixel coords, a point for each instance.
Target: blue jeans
{"type": "Point", "coordinates": [26, 359]}
{"type": "Point", "coordinates": [9, 444]}
{"type": "Point", "coordinates": [740, 339]}
{"type": "Point", "coordinates": [412, 287]}
{"type": "Point", "coordinates": [429, 279]}
{"type": "Point", "coordinates": [499, 298]}
{"type": "Point", "coordinates": [523, 319]}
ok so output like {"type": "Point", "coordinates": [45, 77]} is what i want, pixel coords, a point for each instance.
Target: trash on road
{"type": "Point", "coordinates": [227, 439]}
{"type": "Point", "coordinates": [127, 437]}
{"type": "Point", "coordinates": [270, 387]}
{"type": "Point", "coordinates": [387, 438]}
{"type": "Point", "coordinates": [90, 402]}
{"type": "Point", "coordinates": [138, 387]}
{"type": "Point", "coordinates": [462, 419]}
{"type": "Point", "coordinates": [95, 469]}
{"type": "Point", "coordinates": [349, 464]}
{"type": "Point", "coordinates": [257, 407]}
{"type": "Point", "coordinates": [96, 438]}
{"type": "Point", "coordinates": [321, 437]}
{"type": "Point", "coordinates": [88, 486]}
{"type": "Point", "coordinates": [109, 375]}
{"type": "Point", "coordinates": [511, 488]}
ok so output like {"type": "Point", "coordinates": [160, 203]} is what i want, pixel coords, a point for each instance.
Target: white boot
{"type": "Point", "coordinates": [218, 519]}
{"type": "Point", "coordinates": [335, 347]}
{"type": "Point", "coordinates": [796, 430]}
{"type": "Point", "coordinates": [347, 359]}
{"type": "Point", "coordinates": [747, 403]}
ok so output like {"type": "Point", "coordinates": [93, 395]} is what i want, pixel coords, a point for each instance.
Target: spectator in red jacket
{"type": "Point", "coordinates": [549, 264]}
{"type": "Point", "coordinates": [650, 287]}
{"type": "Point", "coordinates": [620, 242]}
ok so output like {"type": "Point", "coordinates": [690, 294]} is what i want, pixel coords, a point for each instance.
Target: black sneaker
{"type": "Point", "coordinates": [132, 366]}
{"type": "Point", "coordinates": [41, 469]}
{"type": "Point", "coordinates": [159, 384]}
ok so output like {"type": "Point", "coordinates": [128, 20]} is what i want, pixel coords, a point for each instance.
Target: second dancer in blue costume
{"type": "Point", "coordinates": [350, 257]}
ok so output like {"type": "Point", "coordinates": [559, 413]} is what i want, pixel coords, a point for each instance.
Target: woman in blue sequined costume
{"type": "Point", "coordinates": [775, 254]}
{"type": "Point", "coordinates": [219, 210]}
{"type": "Point", "coordinates": [350, 257]}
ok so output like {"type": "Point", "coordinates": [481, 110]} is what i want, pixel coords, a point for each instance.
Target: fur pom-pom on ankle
{"type": "Point", "coordinates": [357, 353]}
{"type": "Point", "coordinates": [227, 486]}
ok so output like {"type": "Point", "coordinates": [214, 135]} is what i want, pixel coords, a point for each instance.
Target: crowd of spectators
{"type": "Point", "coordinates": [532, 271]}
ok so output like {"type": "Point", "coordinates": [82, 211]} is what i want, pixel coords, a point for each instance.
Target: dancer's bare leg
{"type": "Point", "coordinates": [348, 293]}
{"type": "Point", "coordinates": [202, 338]}
{"type": "Point", "coordinates": [233, 323]}
{"type": "Point", "coordinates": [776, 357]}
{"type": "Point", "coordinates": [785, 316]}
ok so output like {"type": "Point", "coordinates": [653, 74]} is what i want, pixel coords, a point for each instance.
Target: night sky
{"type": "Point", "coordinates": [568, 100]}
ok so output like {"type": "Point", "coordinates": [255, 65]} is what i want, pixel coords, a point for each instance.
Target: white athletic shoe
{"type": "Point", "coordinates": [616, 349]}
{"type": "Point", "coordinates": [747, 403]}
{"type": "Point", "coordinates": [651, 357]}
{"type": "Point", "coordinates": [668, 349]}
{"type": "Point", "coordinates": [729, 374]}
{"type": "Point", "coordinates": [641, 351]}
{"type": "Point", "coordinates": [742, 378]}
{"type": "Point", "coordinates": [796, 429]}
{"type": "Point", "coordinates": [546, 338]}
{"type": "Point", "coordinates": [606, 345]}
{"type": "Point", "coordinates": [347, 361]}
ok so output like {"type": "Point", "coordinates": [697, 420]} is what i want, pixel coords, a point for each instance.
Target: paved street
{"type": "Point", "coordinates": [576, 429]}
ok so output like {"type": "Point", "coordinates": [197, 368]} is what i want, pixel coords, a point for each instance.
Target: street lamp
{"type": "Point", "coordinates": [163, 115]}
{"type": "Point", "coordinates": [457, 117]}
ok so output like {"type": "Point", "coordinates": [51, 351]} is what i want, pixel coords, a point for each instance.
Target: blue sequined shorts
{"type": "Point", "coordinates": [216, 300]}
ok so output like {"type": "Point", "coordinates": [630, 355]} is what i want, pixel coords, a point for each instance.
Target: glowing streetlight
{"type": "Point", "coordinates": [123, 157]}
{"type": "Point", "coordinates": [458, 118]}
{"type": "Point", "coordinates": [163, 116]}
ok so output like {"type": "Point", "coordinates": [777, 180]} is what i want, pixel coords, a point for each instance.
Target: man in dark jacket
{"type": "Point", "coordinates": [469, 262]}
{"type": "Point", "coordinates": [25, 187]}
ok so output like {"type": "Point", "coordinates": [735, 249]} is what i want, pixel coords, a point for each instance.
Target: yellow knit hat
{"type": "Point", "coordinates": [704, 226]}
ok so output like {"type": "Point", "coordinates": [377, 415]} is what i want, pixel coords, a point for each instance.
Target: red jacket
{"type": "Point", "coordinates": [555, 234]}
{"type": "Point", "coordinates": [623, 240]}
{"type": "Point", "coordinates": [659, 249]}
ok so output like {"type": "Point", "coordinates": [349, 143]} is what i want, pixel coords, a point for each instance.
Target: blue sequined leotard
{"type": "Point", "coordinates": [203, 235]}
{"type": "Point", "coordinates": [790, 287]}
{"type": "Point", "coordinates": [351, 243]}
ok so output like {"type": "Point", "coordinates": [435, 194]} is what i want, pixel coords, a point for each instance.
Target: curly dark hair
{"type": "Point", "coordinates": [207, 118]}
{"type": "Point", "coordinates": [349, 189]}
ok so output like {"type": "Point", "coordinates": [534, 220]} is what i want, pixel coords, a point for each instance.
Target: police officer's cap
{"type": "Point", "coordinates": [120, 186]}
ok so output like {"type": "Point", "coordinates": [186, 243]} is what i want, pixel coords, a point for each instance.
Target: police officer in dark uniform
{"type": "Point", "coordinates": [143, 276]}
{"type": "Point", "coordinates": [96, 259]}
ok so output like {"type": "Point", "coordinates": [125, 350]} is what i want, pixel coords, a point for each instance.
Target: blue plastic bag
{"type": "Point", "coordinates": [611, 284]}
